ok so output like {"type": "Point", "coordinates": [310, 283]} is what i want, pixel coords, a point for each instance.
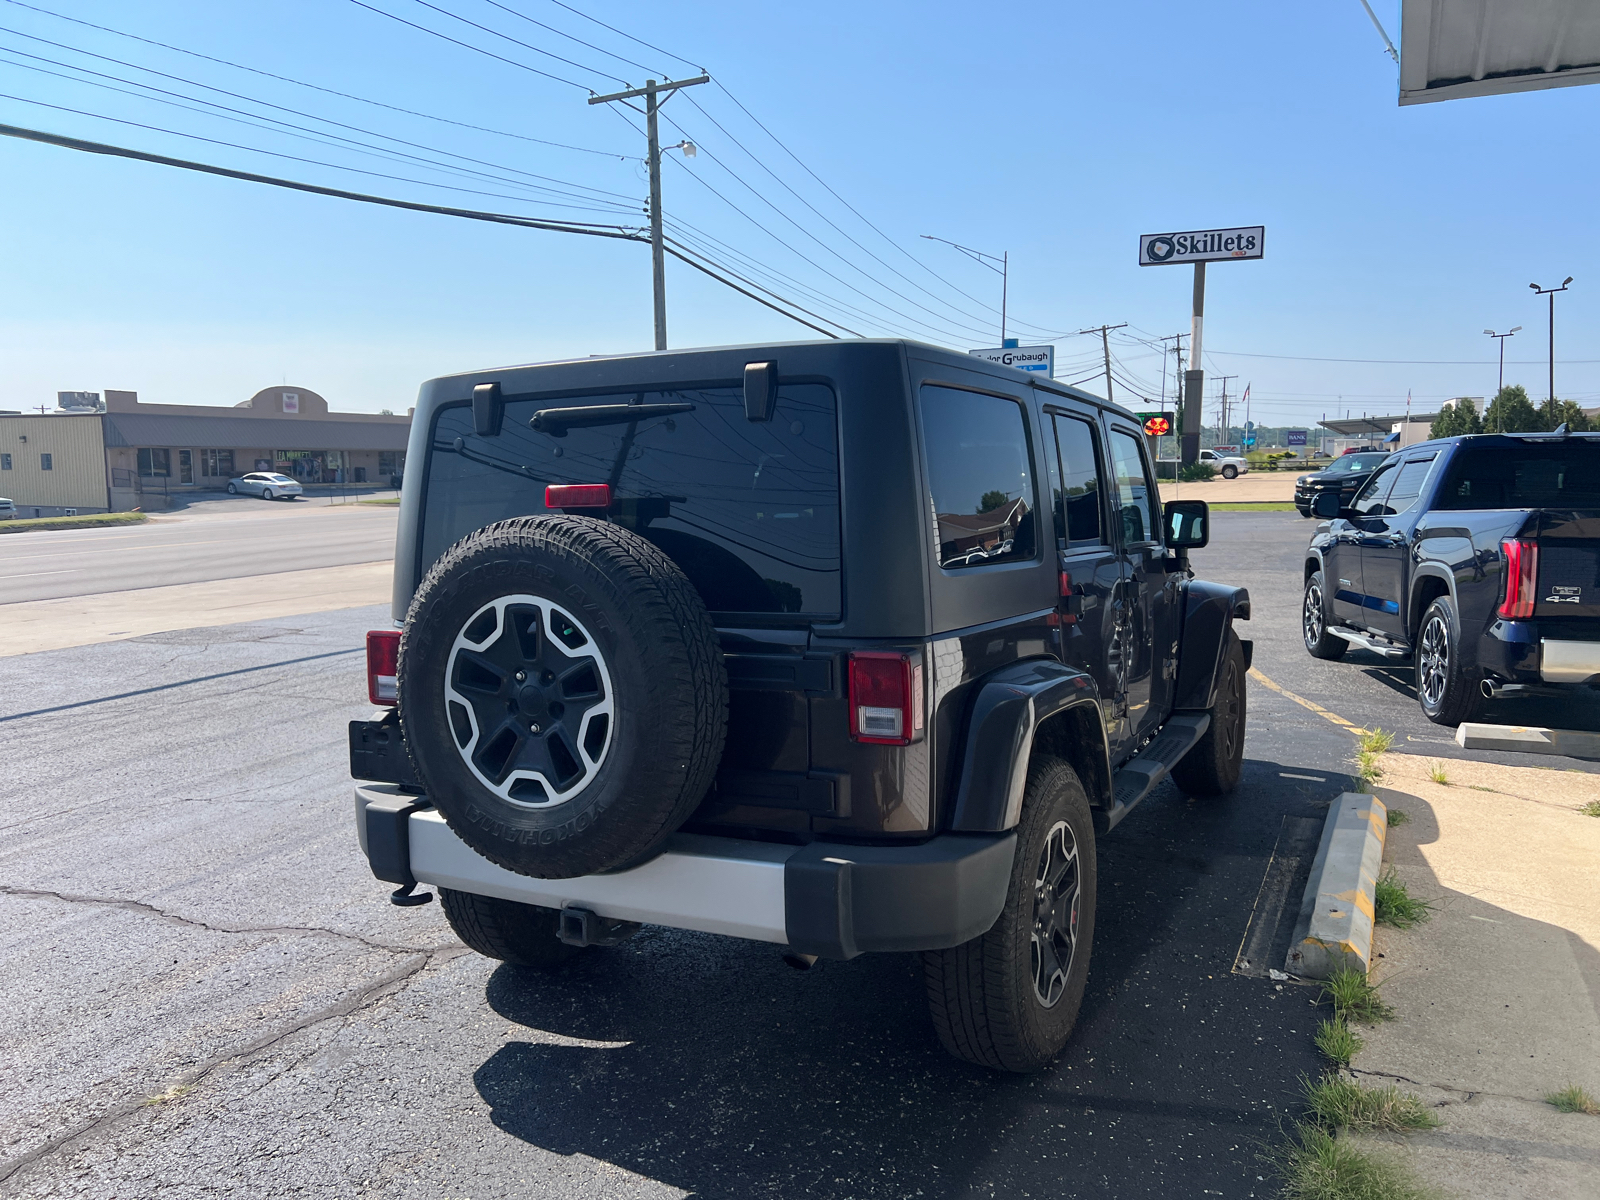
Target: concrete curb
{"type": "Point", "coordinates": [1335, 926]}
{"type": "Point", "coordinates": [1529, 739]}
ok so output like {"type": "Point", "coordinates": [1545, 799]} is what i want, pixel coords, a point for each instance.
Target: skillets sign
{"type": "Point", "coordinates": [1204, 245]}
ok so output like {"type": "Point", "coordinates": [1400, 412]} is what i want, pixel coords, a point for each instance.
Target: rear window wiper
{"type": "Point", "coordinates": [556, 421]}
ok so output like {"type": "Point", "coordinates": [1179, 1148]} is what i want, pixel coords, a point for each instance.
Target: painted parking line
{"type": "Point", "coordinates": [1304, 703]}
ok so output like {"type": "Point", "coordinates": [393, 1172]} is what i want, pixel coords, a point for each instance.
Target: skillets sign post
{"type": "Point", "coordinates": [1199, 246]}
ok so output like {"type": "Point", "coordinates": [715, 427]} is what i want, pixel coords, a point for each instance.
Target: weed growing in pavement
{"type": "Point", "coordinates": [1398, 816]}
{"type": "Point", "coordinates": [1396, 907]}
{"type": "Point", "coordinates": [1339, 1103]}
{"type": "Point", "coordinates": [1371, 744]}
{"type": "Point", "coordinates": [1574, 1099]}
{"type": "Point", "coordinates": [1478, 787]}
{"type": "Point", "coordinates": [1591, 809]}
{"type": "Point", "coordinates": [1338, 1042]}
{"type": "Point", "coordinates": [1438, 774]}
{"type": "Point", "coordinates": [175, 1092]}
{"type": "Point", "coordinates": [1319, 1166]}
{"type": "Point", "coordinates": [1354, 998]}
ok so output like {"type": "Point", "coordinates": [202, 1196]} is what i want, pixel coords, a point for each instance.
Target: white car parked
{"type": "Point", "coordinates": [7, 509]}
{"type": "Point", "coordinates": [1227, 465]}
{"type": "Point", "coordinates": [269, 485]}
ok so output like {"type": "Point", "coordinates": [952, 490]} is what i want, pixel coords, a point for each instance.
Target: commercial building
{"type": "Point", "coordinates": [1379, 433]}
{"type": "Point", "coordinates": [139, 455]}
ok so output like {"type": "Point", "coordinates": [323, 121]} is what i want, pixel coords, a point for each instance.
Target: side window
{"type": "Point", "coordinates": [1369, 500]}
{"type": "Point", "coordinates": [1138, 505]}
{"type": "Point", "coordinates": [1079, 492]}
{"type": "Point", "coordinates": [1408, 484]}
{"type": "Point", "coordinates": [980, 477]}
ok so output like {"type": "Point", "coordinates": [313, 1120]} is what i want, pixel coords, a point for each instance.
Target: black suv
{"type": "Point", "coordinates": [1344, 475]}
{"type": "Point", "coordinates": [1478, 557]}
{"type": "Point", "coordinates": [846, 647]}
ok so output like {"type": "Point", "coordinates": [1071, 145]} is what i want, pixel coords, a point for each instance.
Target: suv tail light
{"type": "Point", "coordinates": [885, 698]}
{"type": "Point", "coordinates": [383, 658]}
{"type": "Point", "coordinates": [1522, 570]}
{"type": "Point", "coordinates": [578, 495]}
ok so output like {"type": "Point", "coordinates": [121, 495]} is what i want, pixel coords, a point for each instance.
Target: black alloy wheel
{"type": "Point", "coordinates": [1446, 689]}
{"type": "Point", "coordinates": [1056, 891]}
{"type": "Point", "coordinates": [1214, 764]}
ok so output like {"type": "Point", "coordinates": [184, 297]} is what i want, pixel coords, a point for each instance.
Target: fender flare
{"type": "Point", "coordinates": [1209, 613]}
{"type": "Point", "coordinates": [1428, 570]}
{"type": "Point", "coordinates": [1007, 709]}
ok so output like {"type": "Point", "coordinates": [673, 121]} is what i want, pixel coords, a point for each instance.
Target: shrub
{"type": "Point", "coordinates": [1197, 473]}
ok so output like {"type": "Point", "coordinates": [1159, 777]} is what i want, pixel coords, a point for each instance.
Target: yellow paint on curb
{"type": "Point", "coordinates": [1304, 703]}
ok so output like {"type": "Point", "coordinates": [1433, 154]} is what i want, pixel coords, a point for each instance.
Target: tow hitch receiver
{"type": "Point", "coordinates": [581, 927]}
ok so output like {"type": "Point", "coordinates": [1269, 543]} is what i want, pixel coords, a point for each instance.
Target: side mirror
{"type": "Point", "coordinates": [1188, 524]}
{"type": "Point", "coordinates": [1326, 504]}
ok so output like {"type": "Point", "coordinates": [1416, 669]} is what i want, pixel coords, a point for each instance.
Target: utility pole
{"type": "Point", "coordinates": [1105, 346]}
{"type": "Point", "coordinates": [1222, 439]}
{"type": "Point", "coordinates": [1550, 404]}
{"type": "Point", "coordinates": [652, 92]}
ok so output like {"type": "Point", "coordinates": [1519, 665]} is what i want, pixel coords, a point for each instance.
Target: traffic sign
{"type": "Point", "coordinates": [1025, 358]}
{"type": "Point", "coordinates": [1204, 245]}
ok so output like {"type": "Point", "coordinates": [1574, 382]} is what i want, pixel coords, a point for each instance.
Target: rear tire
{"type": "Point", "coordinates": [521, 934]}
{"type": "Point", "coordinates": [1447, 689]}
{"type": "Point", "coordinates": [1213, 766]}
{"type": "Point", "coordinates": [266, 494]}
{"type": "Point", "coordinates": [1314, 622]}
{"type": "Point", "coordinates": [1005, 999]}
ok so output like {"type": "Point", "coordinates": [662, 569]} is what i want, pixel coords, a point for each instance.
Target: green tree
{"type": "Point", "coordinates": [1512, 412]}
{"type": "Point", "coordinates": [991, 501]}
{"type": "Point", "coordinates": [1555, 413]}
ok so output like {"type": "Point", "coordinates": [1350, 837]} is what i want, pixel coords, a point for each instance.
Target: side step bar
{"type": "Point", "coordinates": [1360, 640]}
{"type": "Point", "coordinates": [1143, 773]}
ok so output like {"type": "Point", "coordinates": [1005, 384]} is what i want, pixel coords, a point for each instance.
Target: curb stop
{"type": "Point", "coordinates": [1335, 927]}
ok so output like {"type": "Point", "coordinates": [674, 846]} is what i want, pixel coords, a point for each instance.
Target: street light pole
{"type": "Point", "coordinates": [652, 92]}
{"type": "Point", "coordinates": [1551, 292]}
{"type": "Point", "coordinates": [988, 260]}
{"type": "Point", "coordinates": [1503, 336]}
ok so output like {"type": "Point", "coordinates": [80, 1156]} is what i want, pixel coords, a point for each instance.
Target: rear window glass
{"type": "Point", "coordinates": [1564, 475]}
{"type": "Point", "coordinates": [1077, 496]}
{"type": "Point", "coordinates": [749, 510]}
{"type": "Point", "coordinates": [979, 473]}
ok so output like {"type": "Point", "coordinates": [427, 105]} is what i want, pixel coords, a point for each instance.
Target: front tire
{"type": "Point", "coordinates": [1230, 472]}
{"type": "Point", "coordinates": [1213, 766]}
{"type": "Point", "coordinates": [1305, 510]}
{"type": "Point", "coordinates": [1009, 998]}
{"type": "Point", "coordinates": [521, 934]}
{"type": "Point", "coordinates": [1314, 622]}
{"type": "Point", "coordinates": [1446, 689]}
{"type": "Point", "coordinates": [232, 490]}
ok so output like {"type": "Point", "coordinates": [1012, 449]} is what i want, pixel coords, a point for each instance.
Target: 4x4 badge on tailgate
{"type": "Point", "coordinates": [1564, 595]}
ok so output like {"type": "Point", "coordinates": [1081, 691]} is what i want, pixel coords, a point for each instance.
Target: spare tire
{"type": "Point", "coordinates": [563, 695]}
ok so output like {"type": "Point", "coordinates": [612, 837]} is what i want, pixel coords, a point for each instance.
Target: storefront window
{"type": "Point", "coordinates": [155, 463]}
{"type": "Point", "coordinates": [216, 463]}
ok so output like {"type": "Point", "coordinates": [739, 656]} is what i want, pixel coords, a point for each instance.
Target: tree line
{"type": "Point", "coordinates": [1511, 412]}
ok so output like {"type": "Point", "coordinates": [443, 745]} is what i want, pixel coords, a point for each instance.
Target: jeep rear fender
{"type": "Point", "coordinates": [1209, 613]}
{"type": "Point", "coordinates": [1009, 710]}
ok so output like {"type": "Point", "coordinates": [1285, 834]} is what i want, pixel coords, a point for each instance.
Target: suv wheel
{"type": "Point", "coordinates": [1314, 622]}
{"type": "Point", "coordinates": [1213, 765]}
{"type": "Point", "coordinates": [1446, 689]}
{"type": "Point", "coordinates": [1009, 998]}
{"type": "Point", "coordinates": [1230, 472]}
{"type": "Point", "coordinates": [521, 934]}
{"type": "Point", "coordinates": [563, 694]}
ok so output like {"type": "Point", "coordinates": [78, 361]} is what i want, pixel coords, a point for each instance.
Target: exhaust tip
{"type": "Point", "coordinates": [800, 962]}
{"type": "Point", "coordinates": [1487, 688]}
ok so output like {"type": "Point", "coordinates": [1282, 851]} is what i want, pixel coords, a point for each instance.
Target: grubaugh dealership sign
{"type": "Point", "coordinates": [1204, 245]}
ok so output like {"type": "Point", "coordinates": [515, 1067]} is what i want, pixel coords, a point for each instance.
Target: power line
{"type": "Point", "coordinates": [570, 37]}
{"type": "Point", "coordinates": [469, 46]}
{"type": "Point", "coordinates": [629, 36]}
{"type": "Point", "coordinates": [296, 82]}
{"type": "Point", "coordinates": [525, 45]}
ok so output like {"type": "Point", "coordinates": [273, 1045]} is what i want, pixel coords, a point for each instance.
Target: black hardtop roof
{"type": "Point", "coordinates": [702, 364]}
{"type": "Point", "coordinates": [1503, 439]}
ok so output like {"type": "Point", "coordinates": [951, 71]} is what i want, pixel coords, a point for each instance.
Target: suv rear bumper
{"type": "Point", "coordinates": [825, 898]}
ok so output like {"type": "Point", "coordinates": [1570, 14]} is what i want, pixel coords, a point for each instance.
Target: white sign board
{"type": "Point", "coordinates": [291, 402]}
{"type": "Point", "coordinates": [1025, 358]}
{"type": "Point", "coordinates": [1204, 245]}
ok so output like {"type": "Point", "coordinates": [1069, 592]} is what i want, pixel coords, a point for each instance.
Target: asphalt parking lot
{"type": "Point", "coordinates": [210, 994]}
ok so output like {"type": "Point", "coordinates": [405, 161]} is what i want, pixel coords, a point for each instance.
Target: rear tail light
{"type": "Point", "coordinates": [383, 657]}
{"type": "Point", "coordinates": [578, 495]}
{"type": "Point", "coordinates": [885, 698]}
{"type": "Point", "coordinates": [1522, 570]}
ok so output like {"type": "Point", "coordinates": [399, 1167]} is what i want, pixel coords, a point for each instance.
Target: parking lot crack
{"type": "Point", "coordinates": [150, 910]}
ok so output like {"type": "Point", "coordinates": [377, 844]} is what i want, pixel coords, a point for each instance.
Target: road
{"type": "Point", "coordinates": [220, 539]}
{"type": "Point", "coordinates": [207, 992]}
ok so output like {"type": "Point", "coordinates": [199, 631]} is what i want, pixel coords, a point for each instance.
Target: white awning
{"type": "Point", "coordinates": [1451, 49]}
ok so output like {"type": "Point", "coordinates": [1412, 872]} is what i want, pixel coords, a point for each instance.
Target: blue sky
{"type": "Point", "coordinates": [1056, 133]}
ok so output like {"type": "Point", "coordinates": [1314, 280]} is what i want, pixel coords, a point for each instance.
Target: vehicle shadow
{"type": "Point", "coordinates": [707, 1064]}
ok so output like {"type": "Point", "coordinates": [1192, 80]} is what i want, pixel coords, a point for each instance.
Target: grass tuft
{"type": "Point", "coordinates": [1354, 999]}
{"type": "Point", "coordinates": [175, 1092]}
{"type": "Point", "coordinates": [1319, 1166]}
{"type": "Point", "coordinates": [1396, 907]}
{"type": "Point", "coordinates": [1374, 741]}
{"type": "Point", "coordinates": [1398, 816]}
{"type": "Point", "coordinates": [1371, 744]}
{"type": "Point", "coordinates": [1574, 1099]}
{"type": "Point", "coordinates": [1335, 1102]}
{"type": "Point", "coordinates": [1338, 1042]}
{"type": "Point", "coordinates": [1438, 774]}
{"type": "Point", "coordinates": [1591, 809]}
{"type": "Point", "coordinates": [86, 521]}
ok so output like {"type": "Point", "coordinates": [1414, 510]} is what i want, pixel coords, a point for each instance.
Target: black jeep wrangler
{"type": "Point", "coordinates": [847, 647]}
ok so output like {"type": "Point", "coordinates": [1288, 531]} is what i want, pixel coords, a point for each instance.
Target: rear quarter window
{"type": "Point", "coordinates": [980, 477]}
{"type": "Point", "coordinates": [749, 510]}
{"type": "Point", "coordinates": [1563, 475]}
